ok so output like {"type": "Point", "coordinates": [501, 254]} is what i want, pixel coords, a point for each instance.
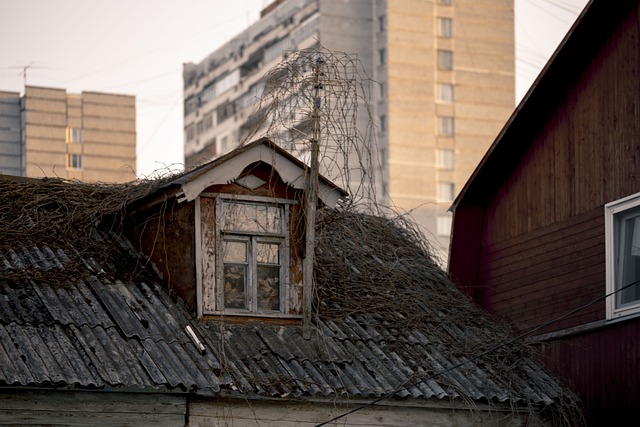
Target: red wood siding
{"type": "Point", "coordinates": [541, 194]}
{"type": "Point", "coordinates": [585, 155]}
{"type": "Point", "coordinates": [536, 277]}
{"type": "Point", "coordinates": [604, 366]}
{"type": "Point", "coordinates": [542, 235]}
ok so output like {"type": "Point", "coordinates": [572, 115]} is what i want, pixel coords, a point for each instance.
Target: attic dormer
{"type": "Point", "coordinates": [230, 237]}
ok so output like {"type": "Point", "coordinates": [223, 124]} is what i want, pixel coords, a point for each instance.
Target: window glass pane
{"type": "Point", "coordinates": [267, 253]}
{"type": "Point", "coordinates": [445, 27]}
{"type": "Point", "coordinates": [446, 191]}
{"type": "Point", "coordinates": [235, 252]}
{"type": "Point", "coordinates": [235, 280]}
{"type": "Point", "coordinates": [629, 260]}
{"type": "Point", "coordinates": [445, 92]}
{"type": "Point", "coordinates": [446, 126]}
{"type": "Point", "coordinates": [444, 225]}
{"type": "Point", "coordinates": [445, 60]}
{"type": "Point", "coordinates": [251, 217]}
{"type": "Point", "coordinates": [446, 159]}
{"type": "Point", "coordinates": [268, 287]}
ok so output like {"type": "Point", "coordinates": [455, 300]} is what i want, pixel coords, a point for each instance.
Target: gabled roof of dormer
{"type": "Point", "coordinates": [228, 168]}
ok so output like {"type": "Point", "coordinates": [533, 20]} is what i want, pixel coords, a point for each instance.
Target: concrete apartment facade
{"type": "Point", "coordinates": [47, 132]}
{"type": "Point", "coordinates": [444, 73]}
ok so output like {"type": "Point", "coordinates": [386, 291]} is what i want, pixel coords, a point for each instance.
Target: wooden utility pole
{"type": "Point", "coordinates": [310, 207]}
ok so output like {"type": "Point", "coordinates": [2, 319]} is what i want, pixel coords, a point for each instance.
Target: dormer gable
{"type": "Point", "coordinates": [236, 233]}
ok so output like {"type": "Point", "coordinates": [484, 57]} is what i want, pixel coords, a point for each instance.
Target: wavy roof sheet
{"type": "Point", "coordinates": [98, 333]}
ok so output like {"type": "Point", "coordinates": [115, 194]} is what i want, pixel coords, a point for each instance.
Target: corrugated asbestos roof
{"type": "Point", "coordinates": [98, 332]}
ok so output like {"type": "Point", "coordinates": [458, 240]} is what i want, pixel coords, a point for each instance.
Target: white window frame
{"type": "Point", "coordinates": [252, 238]}
{"type": "Point", "coordinates": [615, 213]}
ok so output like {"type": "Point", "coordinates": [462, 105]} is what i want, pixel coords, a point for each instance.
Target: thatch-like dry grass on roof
{"type": "Point", "coordinates": [371, 268]}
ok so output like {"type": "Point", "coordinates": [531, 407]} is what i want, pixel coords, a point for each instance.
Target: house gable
{"type": "Point", "coordinates": [544, 232]}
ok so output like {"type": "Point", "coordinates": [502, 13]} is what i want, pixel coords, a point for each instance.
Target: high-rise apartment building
{"type": "Point", "coordinates": [445, 87]}
{"type": "Point", "coordinates": [47, 132]}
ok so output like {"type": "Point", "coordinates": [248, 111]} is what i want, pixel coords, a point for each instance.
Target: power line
{"type": "Point", "coordinates": [407, 385]}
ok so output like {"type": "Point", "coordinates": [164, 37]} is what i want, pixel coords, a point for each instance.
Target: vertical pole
{"type": "Point", "coordinates": [310, 207]}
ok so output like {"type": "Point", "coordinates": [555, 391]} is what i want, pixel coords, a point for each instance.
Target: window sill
{"type": "Point", "coordinates": [581, 329]}
{"type": "Point", "coordinates": [282, 319]}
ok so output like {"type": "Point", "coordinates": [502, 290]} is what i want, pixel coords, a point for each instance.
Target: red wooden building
{"type": "Point", "coordinates": [544, 232]}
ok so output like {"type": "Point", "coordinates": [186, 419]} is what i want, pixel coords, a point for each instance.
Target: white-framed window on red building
{"type": "Point", "coordinates": [622, 246]}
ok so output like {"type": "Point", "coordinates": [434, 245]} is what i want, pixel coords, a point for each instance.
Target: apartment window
{"type": "Point", "coordinates": [445, 59]}
{"type": "Point", "coordinates": [208, 121]}
{"type": "Point", "coordinates": [446, 159]}
{"type": "Point", "coordinates": [382, 53]}
{"type": "Point", "coordinates": [191, 104]}
{"type": "Point", "coordinates": [446, 191]}
{"type": "Point", "coordinates": [208, 93]}
{"type": "Point", "coordinates": [383, 90]}
{"type": "Point", "coordinates": [74, 161]}
{"type": "Point", "coordinates": [443, 226]}
{"type": "Point", "coordinates": [445, 92]}
{"type": "Point", "coordinates": [225, 111]}
{"type": "Point", "coordinates": [446, 126]}
{"type": "Point", "coordinates": [445, 27]}
{"type": "Point", "coordinates": [227, 81]}
{"type": "Point", "coordinates": [448, 2]}
{"type": "Point", "coordinates": [253, 256]}
{"type": "Point", "coordinates": [622, 235]}
{"type": "Point", "coordinates": [383, 123]}
{"type": "Point", "coordinates": [73, 135]}
{"type": "Point", "coordinates": [382, 23]}
{"type": "Point", "coordinates": [225, 144]}
{"type": "Point", "coordinates": [191, 132]}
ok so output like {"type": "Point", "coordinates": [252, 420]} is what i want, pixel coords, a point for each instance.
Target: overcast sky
{"type": "Point", "coordinates": [138, 48]}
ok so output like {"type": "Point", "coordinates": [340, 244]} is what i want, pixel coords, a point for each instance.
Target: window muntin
{"type": "Point", "coordinates": [253, 257]}
{"type": "Point", "coordinates": [622, 220]}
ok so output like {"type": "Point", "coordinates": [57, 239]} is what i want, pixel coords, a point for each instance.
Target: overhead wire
{"type": "Point", "coordinates": [407, 385]}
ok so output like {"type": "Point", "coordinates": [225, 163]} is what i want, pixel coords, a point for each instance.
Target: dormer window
{"type": "Point", "coordinates": [252, 256]}
{"type": "Point", "coordinates": [248, 234]}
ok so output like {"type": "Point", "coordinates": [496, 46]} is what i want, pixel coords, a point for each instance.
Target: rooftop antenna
{"type": "Point", "coordinates": [24, 69]}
